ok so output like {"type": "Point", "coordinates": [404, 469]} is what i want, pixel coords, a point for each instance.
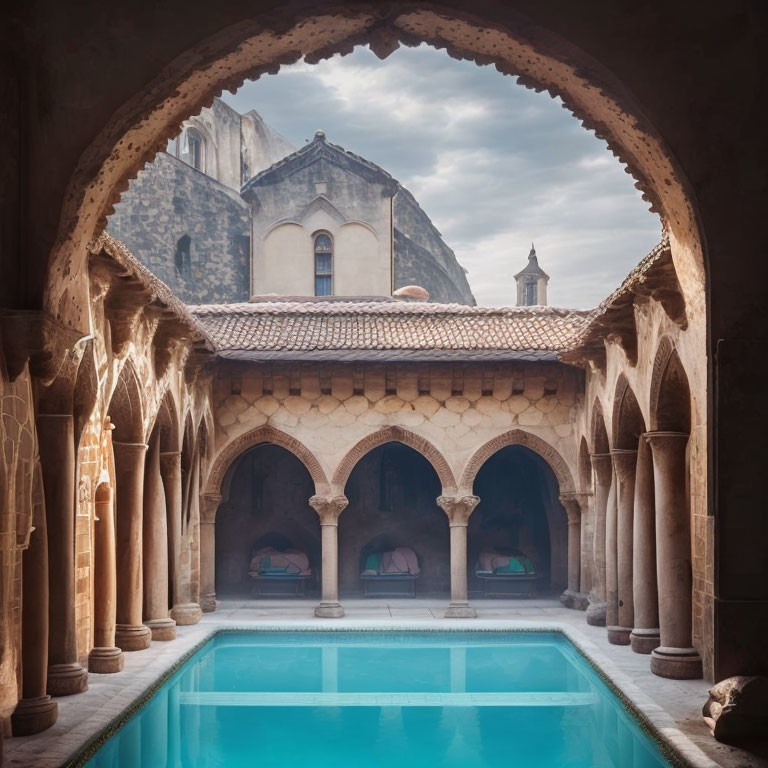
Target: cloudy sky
{"type": "Point", "coordinates": [495, 165]}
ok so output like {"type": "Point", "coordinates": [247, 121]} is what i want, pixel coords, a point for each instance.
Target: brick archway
{"type": "Point", "coordinates": [536, 444]}
{"type": "Point", "coordinates": [394, 435]}
{"type": "Point", "coordinates": [259, 436]}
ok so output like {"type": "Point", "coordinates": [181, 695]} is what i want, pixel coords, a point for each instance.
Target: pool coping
{"type": "Point", "coordinates": [76, 747]}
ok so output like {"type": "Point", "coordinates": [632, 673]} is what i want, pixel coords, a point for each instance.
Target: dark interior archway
{"type": "Point", "coordinates": [519, 510]}
{"type": "Point", "coordinates": [266, 506]}
{"type": "Point", "coordinates": [392, 494]}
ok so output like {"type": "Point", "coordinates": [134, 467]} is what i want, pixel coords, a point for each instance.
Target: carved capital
{"type": "Point", "coordinates": [209, 504]}
{"type": "Point", "coordinates": [572, 505]}
{"type": "Point", "coordinates": [328, 508]}
{"type": "Point", "coordinates": [458, 508]}
{"type": "Point", "coordinates": [601, 464]}
{"type": "Point", "coordinates": [624, 463]}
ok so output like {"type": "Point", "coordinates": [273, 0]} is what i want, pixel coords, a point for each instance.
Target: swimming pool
{"type": "Point", "coordinates": [382, 699]}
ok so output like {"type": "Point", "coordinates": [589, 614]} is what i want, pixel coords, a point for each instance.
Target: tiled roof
{"type": "Point", "coordinates": [385, 330]}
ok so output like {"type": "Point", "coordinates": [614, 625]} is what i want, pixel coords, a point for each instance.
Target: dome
{"type": "Point", "coordinates": [411, 293]}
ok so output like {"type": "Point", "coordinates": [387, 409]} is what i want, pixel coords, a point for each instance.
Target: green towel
{"type": "Point", "coordinates": [373, 563]}
{"type": "Point", "coordinates": [517, 564]}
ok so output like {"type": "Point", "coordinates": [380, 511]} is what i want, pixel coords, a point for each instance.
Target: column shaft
{"type": "Point", "coordinates": [601, 466]}
{"type": "Point", "coordinates": [105, 656]}
{"type": "Point", "coordinates": [209, 506]}
{"type": "Point", "coordinates": [36, 710]}
{"type": "Point", "coordinates": [57, 457]}
{"type": "Point", "coordinates": [329, 509]}
{"type": "Point", "coordinates": [611, 560]}
{"type": "Point", "coordinates": [458, 509]}
{"type": "Point", "coordinates": [645, 635]}
{"type": "Point", "coordinates": [624, 463]}
{"type": "Point", "coordinates": [675, 657]}
{"type": "Point", "coordinates": [155, 547]}
{"type": "Point", "coordinates": [573, 596]}
{"type": "Point", "coordinates": [130, 633]}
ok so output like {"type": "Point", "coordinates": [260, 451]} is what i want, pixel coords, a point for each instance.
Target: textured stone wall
{"type": "Point", "coordinates": [170, 199]}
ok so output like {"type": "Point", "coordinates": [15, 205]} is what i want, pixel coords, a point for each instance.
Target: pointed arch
{"type": "Point", "coordinates": [528, 440]}
{"type": "Point", "coordinates": [670, 391]}
{"type": "Point", "coordinates": [600, 442]}
{"type": "Point", "coordinates": [585, 466]}
{"type": "Point", "coordinates": [258, 436]}
{"type": "Point", "coordinates": [394, 434]}
{"type": "Point", "coordinates": [125, 407]}
{"type": "Point", "coordinates": [627, 423]}
{"type": "Point", "coordinates": [167, 422]}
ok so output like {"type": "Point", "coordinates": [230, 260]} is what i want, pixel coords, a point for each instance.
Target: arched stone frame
{"type": "Point", "coordinates": [626, 408]}
{"type": "Point", "coordinates": [598, 431]}
{"type": "Point", "coordinates": [253, 46]}
{"type": "Point", "coordinates": [394, 434]}
{"type": "Point", "coordinates": [538, 445]}
{"type": "Point", "coordinates": [584, 466]}
{"type": "Point", "coordinates": [265, 434]}
{"type": "Point", "coordinates": [666, 356]}
{"type": "Point", "coordinates": [168, 419]}
{"type": "Point", "coordinates": [126, 409]}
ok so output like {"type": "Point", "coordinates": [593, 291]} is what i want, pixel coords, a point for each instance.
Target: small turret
{"type": "Point", "coordinates": [532, 283]}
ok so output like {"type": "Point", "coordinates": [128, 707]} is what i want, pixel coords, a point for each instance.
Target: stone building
{"type": "Point", "coordinates": [230, 210]}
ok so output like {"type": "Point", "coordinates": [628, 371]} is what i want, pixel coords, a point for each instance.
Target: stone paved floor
{"type": "Point", "coordinates": [674, 706]}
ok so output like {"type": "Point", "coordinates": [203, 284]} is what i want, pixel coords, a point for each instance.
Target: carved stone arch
{"type": "Point", "coordinates": [670, 390]}
{"type": "Point", "coordinates": [394, 434]}
{"type": "Point", "coordinates": [664, 352]}
{"type": "Point", "coordinates": [125, 407]}
{"type": "Point", "coordinates": [168, 422]}
{"type": "Point", "coordinates": [322, 203]}
{"type": "Point", "coordinates": [627, 422]}
{"type": "Point", "coordinates": [258, 436]}
{"type": "Point", "coordinates": [360, 223]}
{"type": "Point", "coordinates": [528, 440]}
{"type": "Point", "coordinates": [598, 432]}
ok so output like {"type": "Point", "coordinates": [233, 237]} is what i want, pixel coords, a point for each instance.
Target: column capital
{"type": "Point", "coordinates": [209, 504]}
{"type": "Point", "coordinates": [601, 464]}
{"type": "Point", "coordinates": [665, 437]}
{"type": "Point", "coordinates": [570, 500]}
{"type": "Point", "coordinates": [624, 462]}
{"type": "Point", "coordinates": [328, 508]}
{"type": "Point", "coordinates": [458, 508]}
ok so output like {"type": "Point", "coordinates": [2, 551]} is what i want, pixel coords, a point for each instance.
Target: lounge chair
{"type": "Point", "coordinates": [391, 574]}
{"type": "Point", "coordinates": [506, 574]}
{"type": "Point", "coordinates": [277, 573]}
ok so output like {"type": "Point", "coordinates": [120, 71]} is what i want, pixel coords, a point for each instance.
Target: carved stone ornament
{"type": "Point", "coordinates": [458, 508]}
{"type": "Point", "coordinates": [328, 508]}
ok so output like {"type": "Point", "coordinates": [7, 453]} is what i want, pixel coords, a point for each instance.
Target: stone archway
{"type": "Point", "coordinates": [249, 47]}
{"type": "Point", "coordinates": [394, 435]}
{"type": "Point", "coordinates": [527, 439]}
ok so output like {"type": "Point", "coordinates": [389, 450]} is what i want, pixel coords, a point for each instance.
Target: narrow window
{"type": "Point", "coordinates": [530, 293]}
{"type": "Point", "coordinates": [183, 258]}
{"type": "Point", "coordinates": [323, 265]}
{"type": "Point", "coordinates": [194, 147]}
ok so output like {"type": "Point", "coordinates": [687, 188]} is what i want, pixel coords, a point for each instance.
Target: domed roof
{"type": "Point", "coordinates": [412, 293]}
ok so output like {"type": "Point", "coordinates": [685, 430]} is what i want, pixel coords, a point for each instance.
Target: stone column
{"type": "Point", "coordinates": [57, 457]}
{"type": "Point", "coordinates": [645, 635]}
{"type": "Point", "coordinates": [130, 633]}
{"type": "Point", "coordinates": [624, 462]}
{"type": "Point", "coordinates": [601, 466]}
{"type": "Point", "coordinates": [611, 559]}
{"type": "Point", "coordinates": [36, 710]}
{"type": "Point", "coordinates": [675, 657]}
{"type": "Point", "coordinates": [329, 509]}
{"type": "Point", "coordinates": [208, 508]}
{"type": "Point", "coordinates": [105, 656]}
{"type": "Point", "coordinates": [184, 612]}
{"type": "Point", "coordinates": [587, 556]}
{"type": "Point", "coordinates": [155, 546]}
{"type": "Point", "coordinates": [573, 597]}
{"type": "Point", "coordinates": [459, 509]}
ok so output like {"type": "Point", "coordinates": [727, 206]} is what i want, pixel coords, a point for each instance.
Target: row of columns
{"type": "Point", "coordinates": [138, 533]}
{"type": "Point", "coordinates": [642, 591]}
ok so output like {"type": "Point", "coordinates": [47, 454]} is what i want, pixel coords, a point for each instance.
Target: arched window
{"type": "Point", "coordinates": [530, 293]}
{"type": "Point", "coordinates": [323, 265]}
{"type": "Point", "coordinates": [183, 257]}
{"type": "Point", "coordinates": [194, 144]}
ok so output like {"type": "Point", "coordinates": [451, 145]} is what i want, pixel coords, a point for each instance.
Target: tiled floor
{"type": "Point", "coordinates": [674, 707]}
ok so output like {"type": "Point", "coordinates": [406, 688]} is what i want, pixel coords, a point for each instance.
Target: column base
{"type": "Point", "coordinates": [208, 603]}
{"type": "Point", "coordinates": [596, 614]}
{"type": "Point", "coordinates": [644, 640]}
{"type": "Point", "coordinates": [185, 614]}
{"type": "Point", "coordinates": [676, 663]}
{"type": "Point", "coordinates": [619, 635]}
{"type": "Point", "coordinates": [577, 601]}
{"type": "Point", "coordinates": [132, 637]}
{"type": "Point", "coordinates": [460, 611]}
{"type": "Point", "coordinates": [162, 629]}
{"type": "Point", "coordinates": [66, 679]}
{"type": "Point", "coordinates": [329, 611]}
{"type": "Point", "coordinates": [105, 660]}
{"type": "Point", "coordinates": [34, 715]}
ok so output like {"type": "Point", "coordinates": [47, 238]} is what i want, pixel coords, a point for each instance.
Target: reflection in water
{"type": "Point", "coordinates": [457, 701]}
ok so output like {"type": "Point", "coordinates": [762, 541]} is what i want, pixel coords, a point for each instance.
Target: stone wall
{"type": "Point", "coordinates": [169, 200]}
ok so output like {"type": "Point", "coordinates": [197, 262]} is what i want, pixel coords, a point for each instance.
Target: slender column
{"type": "Point", "coordinates": [611, 561]}
{"type": "Point", "coordinates": [208, 508]}
{"type": "Point", "coordinates": [155, 544]}
{"type": "Point", "coordinates": [645, 635]}
{"type": "Point", "coordinates": [624, 462]}
{"type": "Point", "coordinates": [184, 611]}
{"type": "Point", "coordinates": [36, 710]}
{"type": "Point", "coordinates": [459, 509]}
{"type": "Point", "coordinates": [573, 596]}
{"type": "Point", "coordinates": [105, 656]}
{"type": "Point", "coordinates": [587, 533]}
{"type": "Point", "coordinates": [675, 657]}
{"type": "Point", "coordinates": [57, 457]}
{"type": "Point", "coordinates": [601, 466]}
{"type": "Point", "coordinates": [130, 633]}
{"type": "Point", "coordinates": [329, 509]}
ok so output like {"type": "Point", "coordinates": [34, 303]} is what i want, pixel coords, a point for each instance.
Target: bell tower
{"type": "Point", "coordinates": [532, 283]}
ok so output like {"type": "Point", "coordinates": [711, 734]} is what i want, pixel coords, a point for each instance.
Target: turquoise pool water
{"type": "Point", "coordinates": [382, 700]}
